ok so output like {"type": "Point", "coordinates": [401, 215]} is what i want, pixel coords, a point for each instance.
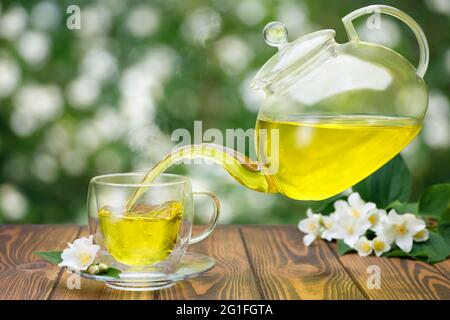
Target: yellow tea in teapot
{"type": "Point", "coordinates": [142, 236]}
{"type": "Point", "coordinates": [322, 156]}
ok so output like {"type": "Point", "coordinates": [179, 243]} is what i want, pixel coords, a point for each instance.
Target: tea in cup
{"type": "Point", "coordinates": [155, 229]}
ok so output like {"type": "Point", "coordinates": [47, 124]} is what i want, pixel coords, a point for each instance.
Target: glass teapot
{"type": "Point", "coordinates": [333, 113]}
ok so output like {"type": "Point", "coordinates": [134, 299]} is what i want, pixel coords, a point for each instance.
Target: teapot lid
{"type": "Point", "coordinates": [289, 53]}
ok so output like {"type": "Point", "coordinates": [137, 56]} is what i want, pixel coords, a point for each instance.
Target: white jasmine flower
{"type": "Point", "coordinates": [380, 246]}
{"type": "Point", "coordinates": [80, 254]}
{"type": "Point", "coordinates": [363, 246]}
{"type": "Point", "coordinates": [401, 229]}
{"type": "Point", "coordinates": [355, 206]}
{"type": "Point", "coordinates": [375, 217]}
{"type": "Point", "coordinates": [329, 223]}
{"type": "Point", "coordinates": [352, 218]}
{"type": "Point", "coordinates": [422, 235]}
{"type": "Point", "coordinates": [350, 229]}
{"type": "Point", "coordinates": [311, 226]}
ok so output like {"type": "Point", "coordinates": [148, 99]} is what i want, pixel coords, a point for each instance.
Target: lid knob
{"type": "Point", "coordinates": [275, 34]}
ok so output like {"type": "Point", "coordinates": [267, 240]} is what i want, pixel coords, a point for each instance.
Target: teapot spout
{"type": "Point", "coordinates": [247, 172]}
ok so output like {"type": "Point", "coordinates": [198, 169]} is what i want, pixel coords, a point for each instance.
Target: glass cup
{"type": "Point", "coordinates": [148, 238]}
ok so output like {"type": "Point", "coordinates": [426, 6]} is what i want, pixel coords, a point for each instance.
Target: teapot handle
{"type": "Point", "coordinates": [412, 24]}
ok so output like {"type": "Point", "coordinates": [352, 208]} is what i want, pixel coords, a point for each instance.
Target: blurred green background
{"type": "Point", "coordinates": [105, 98]}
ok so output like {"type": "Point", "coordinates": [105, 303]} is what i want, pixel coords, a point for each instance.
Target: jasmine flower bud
{"type": "Point", "coordinates": [103, 267]}
{"type": "Point", "coordinates": [93, 269]}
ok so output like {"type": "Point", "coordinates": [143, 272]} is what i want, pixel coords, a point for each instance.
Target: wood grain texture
{"type": "Point", "coordinates": [253, 262]}
{"type": "Point", "coordinates": [287, 269]}
{"type": "Point", "coordinates": [231, 278]}
{"type": "Point", "coordinates": [401, 279]}
{"type": "Point", "coordinates": [94, 290]}
{"type": "Point", "coordinates": [444, 267]}
{"type": "Point", "coordinates": [23, 275]}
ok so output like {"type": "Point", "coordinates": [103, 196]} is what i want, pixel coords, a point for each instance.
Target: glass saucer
{"type": "Point", "coordinates": [191, 265]}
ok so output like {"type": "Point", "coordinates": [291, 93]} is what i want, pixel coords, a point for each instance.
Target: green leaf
{"type": "Point", "coordinates": [435, 201]}
{"type": "Point", "coordinates": [431, 251]}
{"type": "Point", "coordinates": [435, 249]}
{"type": "Point", "coordinates": [396, 253]}
{"type": "Point", "coordinates": [445, 216]}
{"type": "Point", "coordinates": [112, 272]}
{"type": "Point", "coordinates": [342, 248]}
{"type": "Point", "coordinates": [444, 231]}
{"type": "Point", "coordinates": [401, 208]}
{"type": "Point", "coordinates": [370, 234]}
{"type": "Point", "coordinates": [50, 256]}
{"type": "Point", "coordinates": [391, 182]}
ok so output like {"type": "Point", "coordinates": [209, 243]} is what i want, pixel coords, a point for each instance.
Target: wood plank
{"type": "Point", "coordinates": [287, 269]}
{"type": "Point", "coordinates": [280, 267]}
{"type": "Point", "coordinates": [401, 279]}
{"type": "Point", "coordinates": [444, 267]}
{"type": "Point", "coordinates": [94, 290]}
{"type": "Point", "coordinates": [231, 278]}
{"type": "Point", "coordinates": [23, 275]}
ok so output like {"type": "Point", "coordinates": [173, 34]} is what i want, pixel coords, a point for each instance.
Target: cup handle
{"type": "Point", "coordinates": [213, 222]}
{"type": "Point", "coordinates": [410, 22]}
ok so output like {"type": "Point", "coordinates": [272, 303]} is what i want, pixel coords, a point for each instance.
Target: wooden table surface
{"type": "Point", "coordinates": [253, 262]}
